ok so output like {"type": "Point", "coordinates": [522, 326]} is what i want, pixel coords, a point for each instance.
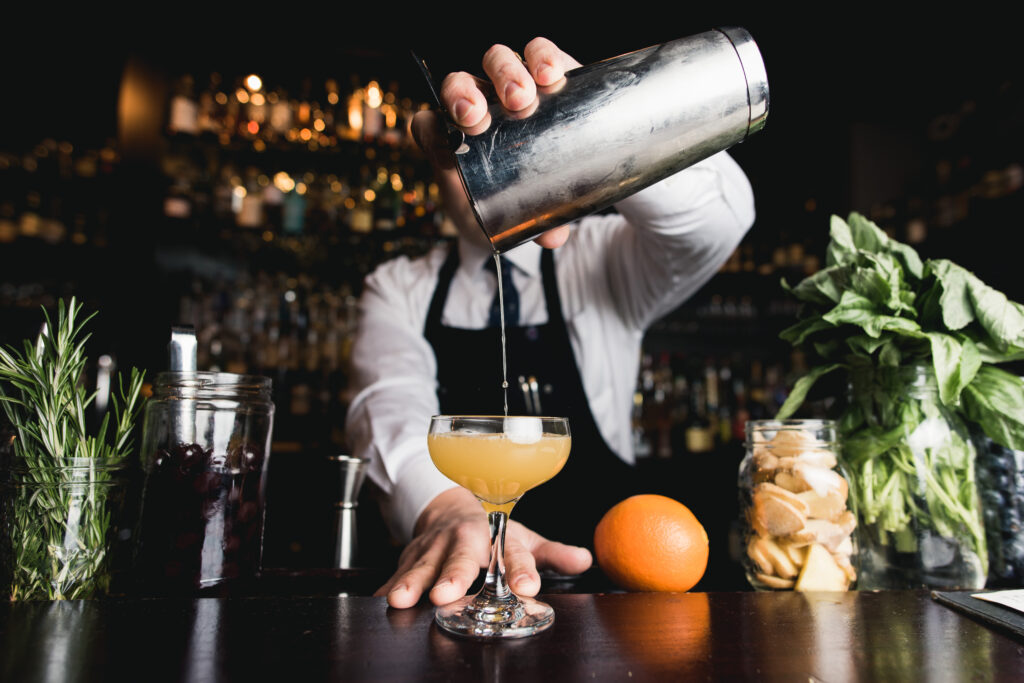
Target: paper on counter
{"type": "Point", "coordinates": [1014, 599]}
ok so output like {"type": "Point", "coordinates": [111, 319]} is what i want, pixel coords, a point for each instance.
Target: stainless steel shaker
{"type": "Point", "coordinates": [610, 129]}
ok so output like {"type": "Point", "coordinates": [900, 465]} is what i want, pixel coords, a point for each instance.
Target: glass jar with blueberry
{"type": "Point", "coordinates": [1001, 482]}
{"type": "Point", "coordinates": [205, 449]}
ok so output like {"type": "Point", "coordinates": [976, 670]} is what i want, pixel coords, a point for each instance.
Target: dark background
{"type": "Point", "coordinates": [854, 92]}
{"type": "Point", "coordinates": [864, 101]}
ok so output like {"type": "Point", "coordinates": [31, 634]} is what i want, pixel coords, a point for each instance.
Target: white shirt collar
{"type": "Point", "coordinates": [526, 257]}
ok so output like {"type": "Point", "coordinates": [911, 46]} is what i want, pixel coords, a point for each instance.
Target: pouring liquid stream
{"type": "Point", "coordinates": [504, 357]}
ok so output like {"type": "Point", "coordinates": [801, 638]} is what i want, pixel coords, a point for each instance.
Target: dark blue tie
{"type": "Point", "coordinates": [511, 296]}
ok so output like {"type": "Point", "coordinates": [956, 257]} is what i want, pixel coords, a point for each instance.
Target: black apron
{"type": "Point", "coordinates": [568, 507]}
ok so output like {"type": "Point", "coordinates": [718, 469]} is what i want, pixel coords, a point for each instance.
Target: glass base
{"type": "Point", "coordinates": [475, 617]}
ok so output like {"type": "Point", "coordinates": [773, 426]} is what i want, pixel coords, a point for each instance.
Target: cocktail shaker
{"type": "Point", "coordinates": [608, 130]}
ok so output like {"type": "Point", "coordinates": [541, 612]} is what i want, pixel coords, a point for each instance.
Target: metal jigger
{"type": "Point", "coordinates": [352, 471]}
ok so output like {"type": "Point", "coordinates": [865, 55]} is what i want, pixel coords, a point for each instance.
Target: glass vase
{"type": "Point", "coordinates": [912, 461]}
{"type": "Point", "coordinates": [59, 527]}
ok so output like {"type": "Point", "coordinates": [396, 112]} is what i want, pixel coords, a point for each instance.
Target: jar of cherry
{"type": "Point", "coordinates": [205, 449]}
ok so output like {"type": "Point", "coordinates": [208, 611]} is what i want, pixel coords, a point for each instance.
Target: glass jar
{"type": "Point", "coordinates": [796, 521]}
{"type": "Point", "coordinates": [60, 527]}
{"type": "Point", "coordinates": [916, 497]}
{"type": "Point", "coordinates": [1000, 471]}
{"type": "Point", "coordinates": [205, 449]}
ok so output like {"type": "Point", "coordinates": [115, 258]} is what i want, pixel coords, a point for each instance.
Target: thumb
{"type": "Point", "coordinates": [560, 557]}
{"type": "Point", "coordinates": [428, 130]}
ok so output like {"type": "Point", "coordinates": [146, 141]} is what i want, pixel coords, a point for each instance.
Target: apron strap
{"type": "Point", "coordinates": [444, 281]}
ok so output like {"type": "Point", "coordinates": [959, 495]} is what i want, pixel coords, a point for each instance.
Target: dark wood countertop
{"type": "Point", "coordinates": [884, 636]}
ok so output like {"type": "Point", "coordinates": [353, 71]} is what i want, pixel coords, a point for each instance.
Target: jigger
{"type": "Point", "coordinates": [607, 131]}
{"type": "Point", "coordinates": [352, 471]}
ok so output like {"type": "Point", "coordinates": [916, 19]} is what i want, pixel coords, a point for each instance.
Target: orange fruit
{"type": "Point", "coordinates": [649, 542]}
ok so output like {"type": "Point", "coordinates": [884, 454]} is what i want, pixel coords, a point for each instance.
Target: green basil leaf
{"type": "Point", "coordinates": [909, 258]}
{"type": "Point", "coordinates": [994, 401]}
{"type": "Point", "coordinates": [866, 235]}
{"type": "Point", "coordinates": [955, 365]}
{"type": "Point", "coordinates": [824, 287]}
{"type": "Point", "coordinates": [956, 306]}
{"type": "Point", "coordinates": [797, 334]}
{"type": "Point", "coordinates": [990, 354]}
{"type": "Point", "coordinates": [870, 237]}
{"type": "Point", "coordinates": [890, 354]}
{"type": "Point", "coordinates": [841, 248]}
{"type": "Point", "coordinates": [829, 349]}
{"type": "Point", "coordinates": [1002, 319]}
{"type": "Point", "coordinates": [799, 392]}
{"type": "Point", "coordinates": [854, 309]}
{"type": "Point", "coordinates": [866, 344]}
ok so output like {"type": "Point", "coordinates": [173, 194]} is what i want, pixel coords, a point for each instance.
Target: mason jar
{"type": "Point", "coordinates": [916, 496]}
{"type": "Point", "coordinates": [205, 449]}
{"type": "Point", "coordinates": [794, 498]}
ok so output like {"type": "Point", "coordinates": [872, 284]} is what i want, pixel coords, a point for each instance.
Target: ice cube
{"type": "Point", "coordinates": [523, 429]}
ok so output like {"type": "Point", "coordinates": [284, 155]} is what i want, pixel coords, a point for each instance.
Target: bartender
{"type": "Point", "coordinates": [578, 300]}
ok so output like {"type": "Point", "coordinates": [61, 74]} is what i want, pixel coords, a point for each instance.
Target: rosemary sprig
{"type": "Point", "coordinates": [61, 486]}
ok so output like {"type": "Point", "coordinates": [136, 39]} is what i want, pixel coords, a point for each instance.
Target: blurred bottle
{"type": "Point", "coordinates": [250, 210]}
{"type": "Point", "coordinates": [699, 434]}
{"type": "Point", "coordinates": [212, 101]}
{"type": "Point", "coordinates": [183, 118]}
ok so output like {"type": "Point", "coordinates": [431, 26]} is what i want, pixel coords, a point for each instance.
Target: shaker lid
{"type": "Point", "coordinates": [755, 73]}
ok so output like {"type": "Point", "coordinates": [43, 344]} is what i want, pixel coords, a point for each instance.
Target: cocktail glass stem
{"type": "Point", "coordinates": [495, 586]}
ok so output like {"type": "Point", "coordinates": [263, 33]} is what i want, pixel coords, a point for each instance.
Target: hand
{"type": "Point", "coordinates": [515, 82]}
{"type": "Point", "coordinates": [452, 545]}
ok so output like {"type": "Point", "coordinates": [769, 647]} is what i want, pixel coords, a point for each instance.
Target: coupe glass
{"type": "Point", "coordinates": [498, 459]}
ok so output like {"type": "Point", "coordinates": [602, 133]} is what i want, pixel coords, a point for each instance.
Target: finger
{"type": "Point", "coordinates": [521, 568]}
{"type": "Point", "coordinates": [512, 82]}
{"type": "Point", "coordinates": [468, 553]}
{"type": "Point", "coordinates": [457, 574]}
{"type": "Point", "coordinates": [554, 238]}
{"type": "Point", "coordinates": [405, 562]}
{"type": "Point", "coordinates": [564, 559]}
{"type": "Point", "coordinates": [462, 95]}
{"type": "Point", "coordinates": [546, 61]}
{"type": "Point", "coordinates": [410, 584]}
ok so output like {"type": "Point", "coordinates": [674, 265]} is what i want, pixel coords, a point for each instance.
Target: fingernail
{"type": "Point", "coordinates": [461, 109]}
{"type": "Point", "coordinates": [544, 71]}
{"type": "Point", "coordinates": [520, 579]}
{"type": "Point", "coordinates": [400, 588]}
{"type": "Point", "coordinates": [511, 89]}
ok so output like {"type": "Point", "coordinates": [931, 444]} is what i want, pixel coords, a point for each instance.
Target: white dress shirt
{"type": "Point", "coordinates": [616, 274]}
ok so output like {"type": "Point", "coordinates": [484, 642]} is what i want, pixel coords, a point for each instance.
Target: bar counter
{"type": "Point", "coordinates": [855, 636]}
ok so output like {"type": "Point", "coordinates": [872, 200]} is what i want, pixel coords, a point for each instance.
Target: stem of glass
{"type": "Point", "coordinates": [495, 587]}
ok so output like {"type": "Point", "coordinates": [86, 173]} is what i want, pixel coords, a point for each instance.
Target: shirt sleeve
{"type": "Point", "coordinates": [393, 376]}
{"type": "Point", "coordinates": [680, 231]}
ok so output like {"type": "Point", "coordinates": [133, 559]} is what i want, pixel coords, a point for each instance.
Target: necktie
{"type": "Point", "coordinates": [511, 296]}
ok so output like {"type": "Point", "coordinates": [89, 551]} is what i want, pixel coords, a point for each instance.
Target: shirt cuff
{"type": "Point", "coordinates": [419, 484]}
